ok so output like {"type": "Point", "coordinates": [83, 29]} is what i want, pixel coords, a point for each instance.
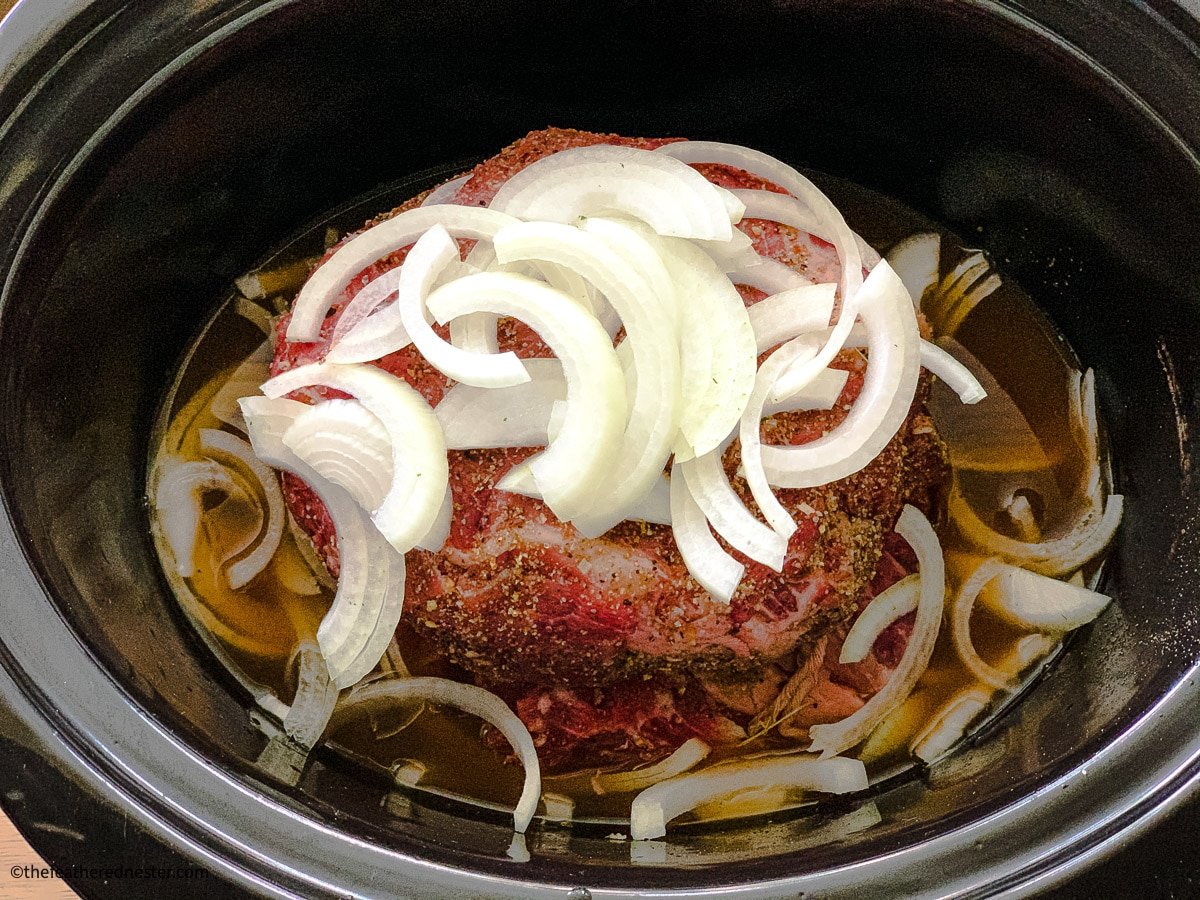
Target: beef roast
{"type": "Point", "coordinates": [519, 598]}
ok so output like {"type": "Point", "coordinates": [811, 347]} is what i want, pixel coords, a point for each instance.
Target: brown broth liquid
{"type": "Point", "coordinates": [254, 630]}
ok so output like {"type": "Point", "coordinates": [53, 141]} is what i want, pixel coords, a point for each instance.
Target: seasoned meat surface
{"type": "Point", "coordinates": [518, 597]}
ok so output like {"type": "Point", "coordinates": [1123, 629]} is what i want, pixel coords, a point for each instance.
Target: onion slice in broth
{"type": "Point", "coordinates": [470, 699]}
{"type": "Point", "coordinates": [840, 736]}
{"type": "Point", "coordinates": [233, 451]}
{"type": "Point", "coordinates": [654, 807]}
{"type": "Point", "coordinates": [355, 633]}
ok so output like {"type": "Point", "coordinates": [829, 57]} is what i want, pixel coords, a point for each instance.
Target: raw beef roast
{"type": "Point", "coordinates": [608, 643]}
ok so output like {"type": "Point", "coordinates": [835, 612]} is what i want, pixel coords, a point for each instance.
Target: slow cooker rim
{"type": "Point", "coordinates": [1142, 810]}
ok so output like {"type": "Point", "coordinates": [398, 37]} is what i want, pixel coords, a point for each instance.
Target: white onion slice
{"type": "Point", "coordinates": [515, 416]}
{"type": "Point", "coordinates": [950, 722]}
{"type": "Point", "coordinates": [346, 444]}
{"type": "Point", "coordinates": [331, 278]}
{"type": "Point", "coordinates": [233, 451]}
{"type": "Point", "coordinates": [937, 361]}
{"type": "Point", "coordinates": [424, 264]}
{"type": "Point", "coordinates": [716, 348]}
{"type": "Point", "coordinates": [828, 222]}
{"type": "Point", "coordinates": [651, 339]}
{"type": "Point", "coordinates": [898, 600]}
{"type": "Point", "coordinates": [710, 488]}
{"type": "Point", "coordinates": [369, 298]}
{"type": "Point", "coordinates": [1087, 538]}
{"type": "Point", "coordinates": [447, 191]}
{"type": "Point", "coordinates": [406, 321]}
{"type": "Point", "coordinates": [894, 345]}
{"type": "Point", "coordinates": [476, 333]}
{"type": "Point", "coordinates": [1029, 600]}
{"type": "Point", "coordinates": [637, 246]}
{"type": "Point", "coordinates": [177, 500]}
{"type": "Point", "coordinates": [917, 260]}
{"type": "Point", "coordinates": [734, 255]}
{"type": "Point", "coordinates": [654, 508]}
{"type": "Point", "coordinates": [790, 313]}
{"type": "Point", "coordinates": [244, 380]}
{"type": "Point", "coordinates": [783, 175]}
{"type": "Point", "coordinates": [960, 621]}
{"type": "Point", "coordinates": [310, 711]}
{"type": "Point", "coordinates": [770, 276]}
{"type": "Point", "coordinates": [355, 633]}
{"type": "Point", "coordinates": [799, 348]}
{"type": "Point", "coordinates": [689, 754]}
{"type": "Point", "coordinates": [672, 198]}
{"type": "Point", "coordinates": [419, 469]}
{"type": "Point", "coordinates": [477, 702]}
{"type": "Point", "coordinates": [820, 393]}
{"type": "Point", "coordinates": [1086, 431]}
{"type": "Point", "coordinates": [439, 532]}
{"type": "Point", "coordinates": [958, 377]}
{"type": "Point", "coordinates": [840, 736]}
{"type": "Point", "coordinates": [654, 807]}
{"type": "Point", "coordinates": [567, 471]}
{"type": "Point", "coordinates": [715, 570]}
{"type": "Point", "coordinates": [772, 206]}
{"type": "Point", "coordinates": [960, 291]}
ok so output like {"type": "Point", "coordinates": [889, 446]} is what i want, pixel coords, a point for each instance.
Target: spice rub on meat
{"type": "Point", "coordinates": [519, 598]}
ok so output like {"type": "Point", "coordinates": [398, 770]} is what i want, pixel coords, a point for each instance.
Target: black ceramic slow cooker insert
{"type": "Point", "coordinates": [152, 151]}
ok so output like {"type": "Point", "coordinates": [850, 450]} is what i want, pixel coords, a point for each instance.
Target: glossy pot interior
{"type": "Point", "coordinates": [174, 145]}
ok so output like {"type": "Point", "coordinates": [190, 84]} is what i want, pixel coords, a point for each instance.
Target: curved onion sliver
{"type": "Point", "coordinates": [791, 313]}
{"type": "Point", "coordinates": [346, 444]}
{"type": "Point", "coordinates": [595, 408]}
{"type": "Point", "coordinates": [898, 600]}
{"type": "Point", "coordinates": [1086, 540]}
{"type": "Point", "coordinates": [515, 416]}
{"type": "Point", "coordinates": [361, 251]}
{"type": "Point", "coordinates": [230, 450]}
{"type": "Point", "coordinates": [447, 191]}
{"type": "Point", "coordinates": [1029, 600]}
{"type": "Point", "coordinates": [316, 695]}
{"type": "Point", "coordinates": [177, 492]}
{"type": "Point", "coordinates": [689, 754]}
{"type": "Point", "coordinates": [612, 258]}
{"type": "Point", "coordinates": [710, 488]}
{"type": "Point", "coordinates": [707, 562]}
{"type": "Point", "coordinates": [420, 472]}
{"type": "Point", "coordinates": [829, 220]}
{"type": "Point", "coordinates": [947, 726]}
{"type": "Point", "coordinates": [355, 633]}
{"type": "Point", "coordinates": [669, 196]}
{"type": "Point", "coordinates": [654, 807]}
{"type": "Point", "coordinates": [841, 736]}
{"type": "Point", "coordinates": [770, 276]}
{"type": "Point", "coordinates": [960, 623]}
{"type": "Point", "coordinates": [470, 699]}
{"type": "Point", "coordinates": [917, 260]}
{"type": "Point", "coordinates": [882, 406]}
